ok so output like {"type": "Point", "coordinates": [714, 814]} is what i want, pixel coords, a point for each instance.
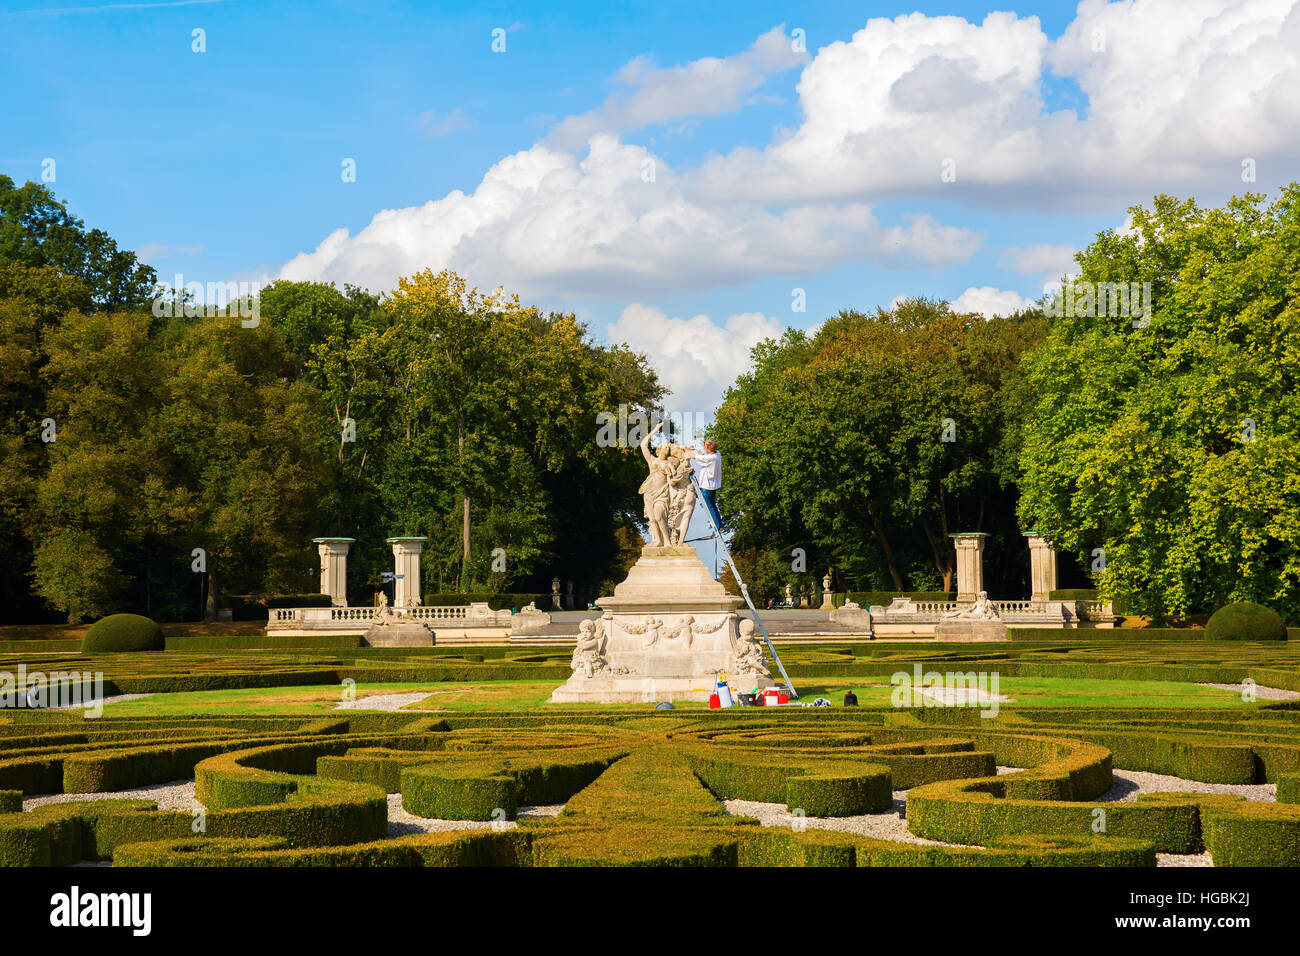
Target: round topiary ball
{"type": "Point", "coordinates": [1245, 621]}
{"type": "Point", "coordinates": [123, 632]}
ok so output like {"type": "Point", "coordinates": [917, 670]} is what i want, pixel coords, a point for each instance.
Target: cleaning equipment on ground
{"type": "Point", "coordinates": [723, 691]}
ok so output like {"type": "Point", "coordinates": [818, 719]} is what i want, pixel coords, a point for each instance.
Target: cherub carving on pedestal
{"type": "Point", "coordinates": [589, 655]}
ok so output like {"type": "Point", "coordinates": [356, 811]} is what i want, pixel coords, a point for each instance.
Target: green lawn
{"type": "Point", "coordinates": [530, 695]}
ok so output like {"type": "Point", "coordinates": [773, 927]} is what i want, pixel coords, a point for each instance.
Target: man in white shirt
{"type": "Point", "coordinates": [709, 477]}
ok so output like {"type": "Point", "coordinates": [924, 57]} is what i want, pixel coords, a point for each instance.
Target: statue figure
{"type": "Point", "coordinates": [982, 610]}
{"type": "Point", "coordinates": [667, 491]}
{"type": "Point", "coordinates": [383, 614]}
{"type": "Point", "coordinates": [681, 494]}
{"type": "Point", "coordinates": [589, 656]}
{"type": "Point", "coordinates": [655, 490]}
{"type": "Point", "coordinates": [749, 653]}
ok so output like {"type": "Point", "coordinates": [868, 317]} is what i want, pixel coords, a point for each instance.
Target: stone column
{"type": "Point", "coordinates": [406, 562]}
{"type": "Point", "coordinates": [334, 568]}
{"type": "Point", "coordinates": [970, 565]}
{"type": "Point", "coordinates": [1042, 567]}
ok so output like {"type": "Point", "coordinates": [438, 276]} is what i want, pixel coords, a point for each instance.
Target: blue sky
{"type": "Point", "coordinates": [845, 153]}
{"type": "Point", "coordinates": [226, 163]}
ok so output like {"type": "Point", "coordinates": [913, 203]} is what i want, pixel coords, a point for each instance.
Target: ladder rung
{"type": "Point", "coordinates": [744, 591]}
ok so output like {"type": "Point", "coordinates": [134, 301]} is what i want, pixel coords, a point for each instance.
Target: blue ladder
{"type": "Point", "coordinates": [726, 554]}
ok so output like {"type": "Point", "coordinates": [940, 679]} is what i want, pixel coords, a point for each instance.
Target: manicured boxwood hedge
{"type": "Point", "coordinates": [292, 791]}
{"type": "Point", "coordinates": [1288, 788]}
{"type": "Point", "coordinates": [492, 787]}
{"type": "Point", "coordinates": [1252, 834]}
{"type": "Point", "coordinates": [1245, 621]}
{"type": "Point", "coordinates": [119, 633]}
{"type": "Point", "coordinates": [1132, 634]}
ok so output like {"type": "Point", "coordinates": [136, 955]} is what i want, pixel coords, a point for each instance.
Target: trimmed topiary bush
{"type": "Point", "coordinates": [123, 632]}
{"type": "Point", "coordinates": [1073, 594]}
{"type": "Point", "coordinates": [1245, 621]}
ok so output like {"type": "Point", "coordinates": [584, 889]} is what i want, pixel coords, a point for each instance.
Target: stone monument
{"type": "Point", "coordinates": [670, 627]}
{"type": "Point", "coordinates": [388, 629]}
{"type": "Point", "coordinates": [529, 620]}
{"type": "Point", "coordinates": [979, 622]}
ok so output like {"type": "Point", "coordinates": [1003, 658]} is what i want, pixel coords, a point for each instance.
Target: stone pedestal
{"type": "Point", "coordinates": [970, 565]}
{"type": "Point", "coordinates": [958, 630]}
{"type": "Point", "coordinates": [529, 620]}
{"type": "Point", "coordinates": [401, 632]}
{"type": "Point", "coordinates": [1042, 567]}
{"type": "Point", "coordinates": [666, 631]}
{"type": "Point", "coordinates": [853, 615]}
{"type": "Point", "coordinates": [334, 568]}
{"type": "Point", "coordinates": [406, 562]}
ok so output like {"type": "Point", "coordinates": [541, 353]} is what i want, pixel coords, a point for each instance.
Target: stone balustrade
{"type": "Point", "coordinates": [355, 620]}
{"type": "Point", "coordinates": [907, 617]}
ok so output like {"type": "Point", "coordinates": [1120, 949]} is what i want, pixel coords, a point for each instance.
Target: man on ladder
{"type": "Point", "coordinates": [709, 480]}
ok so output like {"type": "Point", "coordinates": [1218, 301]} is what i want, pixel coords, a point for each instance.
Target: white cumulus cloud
{"type": "Point", "coordinates": [543, 222]}
{"type": "Point", "coordinates": [710, 86]}
{"type": "Point", "coordinates": [1178, 93]}
{"type": "Point", "coordinates": [696, 358]}
{"type": "Point", "coordinates": [989, 302]}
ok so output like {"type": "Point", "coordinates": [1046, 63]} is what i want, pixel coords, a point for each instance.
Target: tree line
{"type": "Point", "coordinates": [1154, 439]}
{"type": "Point", "coordinates": [155, 462]}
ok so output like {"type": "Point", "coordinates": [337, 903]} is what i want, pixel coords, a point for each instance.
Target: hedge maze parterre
{"type": "Point", "coordinates": [642, 787]}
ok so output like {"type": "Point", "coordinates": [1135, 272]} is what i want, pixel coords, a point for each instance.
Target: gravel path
{"type": "Point", "coordinates": [892, 824]}
{"type": "Point", "coordinates": [403, 823]}
{"type": "Point", "coordinates": [1261, 693]}
{"type": "Point", "coordinates": [382, 701]}
{"type": "Point", "coordinates": [176, 795]}
{"type": "Point", "coordinates": [889, 825]}
{"type": "Point", "coordinates": [1129, 784]}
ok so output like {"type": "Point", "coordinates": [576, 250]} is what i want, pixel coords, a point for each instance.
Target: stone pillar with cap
{"type": "Point", "coordinates": [334, 568]}
{"type": "Point", "coordinates": [970, 565]}
{"type": "Point", "coordinates": [1042, 567]}
{"type": "Point", "coordinates": [406, 564]}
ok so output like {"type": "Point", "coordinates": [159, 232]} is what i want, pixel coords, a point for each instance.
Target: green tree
{"type": "Point", "coordinates": [872, 442]}
{"type": "Point", "coordinates": [1165, 447]}
{"type": "Point", "coordinates": [474, 425]}
{"type": "Point", "coordinates": [36, 229]}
